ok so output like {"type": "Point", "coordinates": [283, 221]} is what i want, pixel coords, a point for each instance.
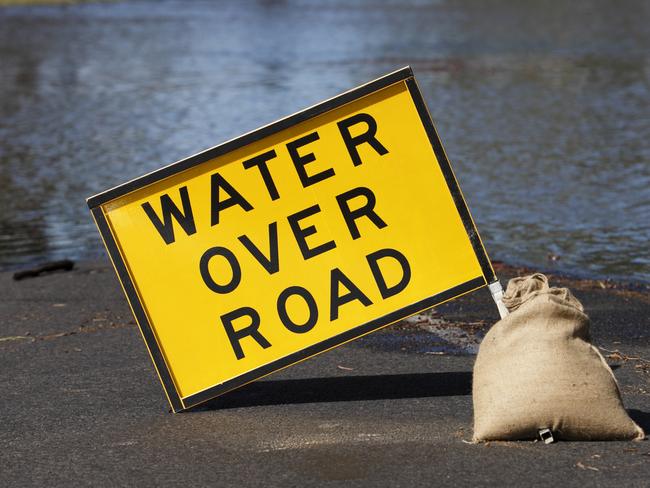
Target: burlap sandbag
{"type": "Point", "coordinates": [536, 369]}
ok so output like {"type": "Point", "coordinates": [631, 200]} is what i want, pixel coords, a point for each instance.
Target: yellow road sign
{"type": "Point", "coordinates": [291, 239]}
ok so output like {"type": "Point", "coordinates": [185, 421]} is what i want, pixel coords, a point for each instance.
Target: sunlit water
{"type": "Point", "coordinates": [544, 109]}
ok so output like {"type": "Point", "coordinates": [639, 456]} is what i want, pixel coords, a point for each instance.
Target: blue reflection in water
{"type": "Point", "coordinates": [544, 110]}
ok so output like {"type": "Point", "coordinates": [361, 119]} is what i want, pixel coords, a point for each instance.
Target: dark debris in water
{"type": "Point", "coordinates": [51, 267]}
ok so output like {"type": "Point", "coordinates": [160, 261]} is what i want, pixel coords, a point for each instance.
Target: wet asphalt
{"type": "Point", "coordinates": [82, 405]}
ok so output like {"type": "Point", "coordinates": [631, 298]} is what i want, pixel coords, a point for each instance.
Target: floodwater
{"type": "Point", "coordinates": [544, 109]}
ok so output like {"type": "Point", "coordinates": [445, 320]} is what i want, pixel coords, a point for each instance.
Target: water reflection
{"type": "Point", "coordinates": [543, 109]}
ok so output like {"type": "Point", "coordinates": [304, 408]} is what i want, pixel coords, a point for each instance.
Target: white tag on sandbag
{"type": "Point", "coordinates": [546, 435]}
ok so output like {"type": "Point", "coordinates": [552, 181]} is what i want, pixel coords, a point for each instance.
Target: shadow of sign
{"type": "Point", "coordinates": [345, 389]}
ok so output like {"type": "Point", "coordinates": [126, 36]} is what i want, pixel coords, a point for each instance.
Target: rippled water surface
{"type": "Point", "coordinates": [544, 109]}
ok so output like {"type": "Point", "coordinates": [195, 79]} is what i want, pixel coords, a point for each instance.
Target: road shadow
{"type": "Point", "coordinates": [344, 389]}
{"type": "Point", "coordinates": [641, 418]}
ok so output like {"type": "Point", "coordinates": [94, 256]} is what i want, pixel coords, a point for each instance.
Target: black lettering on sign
{"type": "Point", "coordinates": [284, 316]}
{"type": "Point", "coordinates": [301, 234]}
{"type": "Point", "coordinates": [234, 266]}
{"type": "Point", "coordinates": [260, 161]}
{"type": "Point", "coordinates": [272, 263]}
{"type": "Point", "coordinates": [385, 290]}
{"type": "Point", "coordinates": [367, 137]}
{"type": "Point", "coordinates": [366, 210]}
{"type": "Point", "coordinates": [301, 161]}
{"type": "Point", "coordinates": [336, 300]}
{"type": "Point", "coordinates": [235, 336]}
{"type": "Point", "coordinates": [217, 182]}
{"type": "Point", "coordinates": [169, 210]}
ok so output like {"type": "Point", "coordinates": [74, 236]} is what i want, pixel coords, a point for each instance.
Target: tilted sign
{"type": "Point", "coordinates": [291, 239]}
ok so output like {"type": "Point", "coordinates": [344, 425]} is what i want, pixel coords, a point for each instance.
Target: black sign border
{"type": "Point", "coordinates": [96, 202]}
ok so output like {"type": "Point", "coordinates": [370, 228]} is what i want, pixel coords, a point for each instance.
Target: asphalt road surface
{"type": "Point", "coordinates": [82, 405]}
